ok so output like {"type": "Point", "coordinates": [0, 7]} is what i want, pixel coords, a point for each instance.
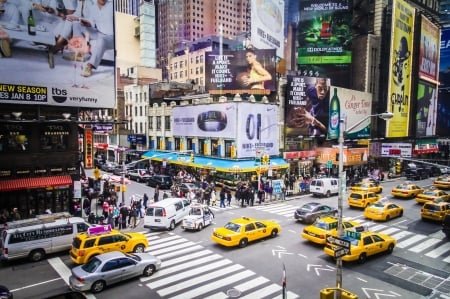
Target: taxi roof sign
{"type": "Point", "coordinates": [99, 229]}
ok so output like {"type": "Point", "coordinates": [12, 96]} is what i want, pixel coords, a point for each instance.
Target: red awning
{"type": "Point", "coordinates": [30, 183]}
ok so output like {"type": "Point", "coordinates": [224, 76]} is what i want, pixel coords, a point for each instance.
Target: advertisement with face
{"type": "Point", "coordinates": [307, 106]}
{"type": "Point", "coordinates": [443, 107]}
{"type": "Point", "coordinates": [257, 129]}
{"type": "Point", "coordinates": [249, 71]}
{"type": "Point", "coordinates": [400, 69]}
{"type": "Point", "coordinates": [429, 50]}
{"type": "Point", "coordinates": [267, 25]}
{"type": "Point", "coordinates": [324, 33]}
{"type": "Point", "coordinates": [426, 109]}
{"type": "Point", "coordinates": [214, 120]}
{"type": "Point", "coordinates": [58, 53]}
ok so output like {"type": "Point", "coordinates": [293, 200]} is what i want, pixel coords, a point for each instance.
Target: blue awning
{"type": "Point", "coordinates": [222, 165]}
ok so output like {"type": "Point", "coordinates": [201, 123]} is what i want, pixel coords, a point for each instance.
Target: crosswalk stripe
{"type": "Point", "coordinates": [447, 259]}
{"type": "Point", "coordinates": [190, 257]}
{"type": "Point", "coordinates": [200, 279]}
{"type": "Point", "coordinates": [401, 234]}
{"type": "Point", "coordinates": [409, 241]}
{"type": "Point", "coordinates": [167, 244]}
{"type": "Point", "coordinates": [389, 231]}
{"type": "Point", "coordinates": [289, 295]}
{"type": "Point", "coordinates": [190, 265]}
{"type": "Point", "coordinates": [264, 292]}
{"type": "Point", "coordinates": [248, 285]}
{"type": "Point", "coordinates": [439, 251]}
{"type": "Point", "coordinates": [424, 245]}
{"type": "Point", "coordinates": [163, 256]}
{"type": "Point", "coordinates": [164, 240]}
{"type": "Point", "coordinates": [220, 295]}
{"type": "Point", "coordinates": [216, 284]}
{"type": "Point", "coordinates": [377, 227]}
{"type": "Point", "coordinates": [157, 283]}
{"type": "Point", "coordinates": [170, 248]}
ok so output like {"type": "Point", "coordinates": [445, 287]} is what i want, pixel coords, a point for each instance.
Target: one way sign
{"type": "Point", "coordinates": [339, 242]}
{"type": "Point", "coordinates": [340, 252]}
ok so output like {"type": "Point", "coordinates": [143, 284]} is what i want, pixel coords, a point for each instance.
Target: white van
{"type": "Point", "coordinates": [165, 214]}
{"type": "Point", "coordinates": [34, 238]}
{"type": "Point", "coordinates": [324, 187]}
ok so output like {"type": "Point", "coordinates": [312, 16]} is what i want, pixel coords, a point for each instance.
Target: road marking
{"type": "Point", "coordinates": [377, 227]}
{"type": "Point", "coordinates": [389, 231]}
{"type": "Point", "coordinates": [438, 251]}
{"type": "Point", "coordinates": [401, 234]}
{"type": "Point", "coordinates": [424, 245]}
{"type": "Point", "coordinates": [36, 284]}
{"type": "Point", "coordinates": [60, 268]}
{"type": "Point", "coordinates": [410, 241]}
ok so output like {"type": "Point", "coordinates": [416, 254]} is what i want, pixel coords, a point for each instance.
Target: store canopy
{"type": "Point", "coordinates": [217, 164]}
{"type": "Point", "coordinates": [32, 183]}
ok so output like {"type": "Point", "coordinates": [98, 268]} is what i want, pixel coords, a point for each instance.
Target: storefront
{"type": "Point", "coordinates": [301, 163]}
{"type": "Point", "coordinates": [327, 161]}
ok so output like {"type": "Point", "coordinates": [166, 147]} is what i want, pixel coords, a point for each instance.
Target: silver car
{"type": "Point", "coordinates": [311, 211]}
{"type": "Point", "coordinates": [110, 268]}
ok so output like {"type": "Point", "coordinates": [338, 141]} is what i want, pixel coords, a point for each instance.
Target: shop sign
{"type": "Point", "coordinates": [5, 173]}
{"type": "Point", "coordinates": [88, 148]}
{"type": "Point", "coordinates": [396, 150]}
{"type": "Point", "coordinates": [299, 155]}
{"type": "Point", "coordinates": [40, 171]}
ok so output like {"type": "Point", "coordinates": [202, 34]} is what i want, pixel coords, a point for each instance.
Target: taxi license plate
{"type": "Point", "coordinates": [311, 234]}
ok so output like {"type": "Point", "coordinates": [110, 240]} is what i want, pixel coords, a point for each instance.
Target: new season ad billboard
{"type": "Point", "coordinates": [429, 50]}
{"type": "Point", "coordinates": [324, 34]}
{"type": "Point", "coordinates": [399, 92]}
{"type": "Point", "coordinates": [73, 72]}
{"type": "Point", "coordinates": [426, 109]}
{"type": "Point", "coordinates": [268, 25]}
{"type": "Point", "coordinates": [248, 71]}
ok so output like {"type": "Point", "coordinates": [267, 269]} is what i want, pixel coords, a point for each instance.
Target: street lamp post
{"type": "Point", "coordinates": [342, 184]}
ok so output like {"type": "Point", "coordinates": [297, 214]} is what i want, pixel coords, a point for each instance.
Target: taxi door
{"type": "Point", "coordinates": [373, 245]}
{"type": "Point", "coordinates": [251, 232]}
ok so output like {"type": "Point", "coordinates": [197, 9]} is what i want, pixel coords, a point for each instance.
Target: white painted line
{"type": "Point", "coordinates": [439, 251]}
{"type": "Point", "coordinates": [188, 257]}
{"type": "Point", "coordinates": [424, 245]}
{"type": "Point", "coordinates": [248, 285]}
{"type": "Point", "coordinates": [220, 295]}
{"type": "Point", "coordinates": [264, 292]}
{"type": "Point", "coordinates": [377, 227]}
{"type": "Point", "coordinates": [447, 259]}
{"type": "Point", "coordinates": [163, 240]}
{"type": "Point", "coordinates": [35, 284]}
{"type": "Point", "coordinates": [409, 241]}
{"type": "Point", "coordinates": [389, 231]}
{"type": "Point", "coordinates": [60, 268]}
{"type": "Point", "coordinates": [401, 235]}
{"type": "Point", "coordinates": [168, 243]}
{"type": "Point", "coordinates": [173, 249]}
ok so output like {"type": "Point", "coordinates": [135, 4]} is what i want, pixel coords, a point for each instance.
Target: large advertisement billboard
{"type": "Point", "coordinates": [61, 60]}
{"type": "Point", "coordinates": [324, 32]}
{"type": "Point", "coordinates": [426, 109]}
{"type": "Point", "coordinates": [268, 25]}
{"type": "Point", "coordinates": [248, 71]}
{"type": "Point", "coordinates": [307, 106]}
{"type": "Point", "coordinates": [443, 107]}
{"type": "Point", "coordinates": [429, 50]}
{"type": "Point", "coordinates": [400, 69]}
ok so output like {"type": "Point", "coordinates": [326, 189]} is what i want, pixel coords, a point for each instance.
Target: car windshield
{"type": "Point", "coordinates": [404, 187]}
{"type": "Point", "coordinates": [308, 207]}
{"type": "Point", "coordinates": [195, 211]}
{"type": "Point", "coordinates": [133, 256]}
{"type": "Point", "coordinates": [91, 265]}
{"type": "Point", "coordinates": [428, 193]}
{"type": "Point", "coordinates": [321, 224]}
{"type": "Point", "coordinates": [233, 227]}
{"type": "Point", "coordinates": [378, 206]}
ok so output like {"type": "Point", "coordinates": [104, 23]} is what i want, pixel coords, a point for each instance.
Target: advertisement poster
{"type": "Point", "coordinates": [248, 71]}
{"type": "Point", "coordinates": [443, 107]}
{"type": "Point", "coordinates": [400, 69]}
{"type": "Point", "coordinates": [324, 32]}
{"type": "Point", "coordinates": [426, 109]}
{"type": "Point", "coordinates": [396, 150]}
{"type": "Point", "coordinates": [267, 25]}
{"type": "Point", "coordinates": [307, 106]}
{"type": "Point", "coordinates": [429, 50]}
{"type": "Point", "coordinates": [355, 106]}
{"type": "Point", "coordinates": [63, 60]}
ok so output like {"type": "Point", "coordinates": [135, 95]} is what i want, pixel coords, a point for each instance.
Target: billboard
{"type": "Point", "coordinates": [38, 70]}
{"type": "Point", "coordinates": [399, 91]}
{"type": "Point", "coordinates": [426, 109]}
{"type": "Point", "coordinates": [324, 32]}
{"type": "Point", "coordinates": [396, 150]}
{"type": "Point", "coordinates": [429, 50]}
{"type": "Point", "coordinates": [443, 107]}
{"type": "Point", "coordinates": [267, 25]}
{"type": "Point", "coordinates": [307, 106]}
{"type": "Point", "coordinates": [248, 71]}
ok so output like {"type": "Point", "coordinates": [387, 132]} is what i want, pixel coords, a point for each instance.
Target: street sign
{"type": "Point", "coordinates": [341, 252]}
{"type": "Point", "coordinates": [329, 164]}
{"type": "Point", "coordinates": [339, 242]}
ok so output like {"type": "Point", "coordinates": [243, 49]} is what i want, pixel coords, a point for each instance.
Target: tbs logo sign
{"type": "Point", "coordinates": [59, 95]}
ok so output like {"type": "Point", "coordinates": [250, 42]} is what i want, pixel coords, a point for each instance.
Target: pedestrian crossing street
{"type": "Point", "coordinates": [416, 243]}
{"type": "Point", "coordinates": [189, 270]}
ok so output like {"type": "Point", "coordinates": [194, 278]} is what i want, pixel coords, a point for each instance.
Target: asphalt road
{"type": "Point", "coordinates": [195, 267]}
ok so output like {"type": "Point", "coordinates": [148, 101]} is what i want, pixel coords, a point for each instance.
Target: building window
{"type": "Point", "coordinates": [135, 111]}
{"type": "Point", "coordinates": [158, 123]}
{"type": "Point", "coordinates": [140, 111]}
{"type": "Point", "coordinates": [150, 123]}
{"type": "Point", "coordinates": [141, 129]}
{"type": "Point", "coordinates": [167, 122]}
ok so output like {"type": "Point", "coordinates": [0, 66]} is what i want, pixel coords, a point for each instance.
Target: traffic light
{"type": "Point", "coordinates": [233, 151]}
{"type": "Point", "coordinates": [265, 159]}
{"type": "Point", "coordinates": [117, 188]}
{"type": "Point", "coordinates": [192, 159]}
{"type": "Point", "coordinates": [398, 167]}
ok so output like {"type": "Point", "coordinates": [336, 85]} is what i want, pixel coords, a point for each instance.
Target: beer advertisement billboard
{"type": "Point", "coordinates": [249, 71]}
{"type": "Point", "coordinates": [399, 91]}
{"type": "Point", "coordinates": [426, 109]}
{"type": "Point", "coordinates": [324, 34]}
{"type": "Point", "coordinates": [267, 25]}
{"type": "Point", "coordinates": [429, 50]}
{"type": "Point", "coordinates": [58, 59]}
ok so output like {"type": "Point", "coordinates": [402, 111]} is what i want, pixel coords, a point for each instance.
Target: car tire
{"type": "Point", "coordinates": [200, 226]}
{"type": "Point", "coordinates": [328, 193]}
{"type": "Point", "coordinates": [36, 255]}
{"type": "Point", "coordinates": [273, 233]}
{"type": "Point", "coordinates": [390, 248]}
{"type": "Point", "coordinates": [401, 214]}
{"type": "Point", "coordinates": [138, 180]}
{"type": "Point", "coordinates": [387, 218]}
{"type": "Point", "coordinates": [140, 248]}
{"type": "Point", "coordinates": [362, 258]}
{"type": "Point", "coordinates": [149, 270]}
{"type": "Point", "coordinates": [98, 286]}
{"type": "Point", "coordinates": [172, 225]}
{"type": "Point", "coordinates": [243, 243]}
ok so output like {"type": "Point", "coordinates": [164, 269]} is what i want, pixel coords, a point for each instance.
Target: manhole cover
{"type": "Point", "coordinates": [233, 293]}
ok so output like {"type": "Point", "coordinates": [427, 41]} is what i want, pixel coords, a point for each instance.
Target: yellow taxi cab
{"type": "Point", "coordinates": [406, 190]}
{"type": "Point", "coordinates": [318, 231]}
{"type": "Point", "coordinates": [383, 210]}
{"type": "Point", "coordinates": [442, 182]}
{"type": "Point", "coordinates": [241, 231]}
{"type": "Point", "coordinates": [430, 194]}
{"type": "Point", "coordinates": [367, 186]}
{"type": "Point", "coordinates": [363, 244]}
{"type": "Point", "coordinates": [361, 199]}
{"type": "Point", "coordinates": [435, 210]}
{"type": "Point", "coordinates": [102, 239]}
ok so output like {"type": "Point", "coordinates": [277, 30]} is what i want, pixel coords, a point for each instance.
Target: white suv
{"type": "Point", "coordinates": [138, 175]}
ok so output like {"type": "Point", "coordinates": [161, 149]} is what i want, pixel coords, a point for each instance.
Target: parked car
{"type": "Point", "coordinates": [110, 268]}
{"type": "Point", "coordinates": [434, 170]}
{"type": "Point", "coordinates": [109, 166]}
{"type": "Point", "coordinates": [312, 211]}
{"type": "Point", "coordinates": [417, 173]}
{"type": "Point", "coordinates": [5, 293]}
{"type": "Point", "coordinates": [164, 181]}
{"type": "Point", "coordinates": [139, 175]}
{"type": "Point", "coordinates": [118, 170]}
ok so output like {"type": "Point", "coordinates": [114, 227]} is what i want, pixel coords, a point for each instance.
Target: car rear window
{"type": "Point", "coordinates": [356, 196]}
{"type": "Point", "coordinates": [432, 207]}
{"type": "Point", "coordinates": [76, 243]}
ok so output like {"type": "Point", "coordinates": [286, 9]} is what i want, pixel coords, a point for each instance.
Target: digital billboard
{"type": "Point", "coordinates": [399, 91]}
{"type": "Point", "coordinates": [267, 25]}
{"type": "Point", "coordinates": [307, 106]}
{"type": "Point", "coordinates": [248, 71]}
{"type": "Point", "coordinates": [426, 109]}
{"type": "Point", "coordinates": [61, 60]}
{"type": "Point", "coordinates": [429, 50]}
{"type": "Point", "coordinates": [324, 33]}
{"type": "Point", "coordinates": [443, 107]}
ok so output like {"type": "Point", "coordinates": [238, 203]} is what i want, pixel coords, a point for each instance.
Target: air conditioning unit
{"type": "Point", "coordinates": [137, 31]}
